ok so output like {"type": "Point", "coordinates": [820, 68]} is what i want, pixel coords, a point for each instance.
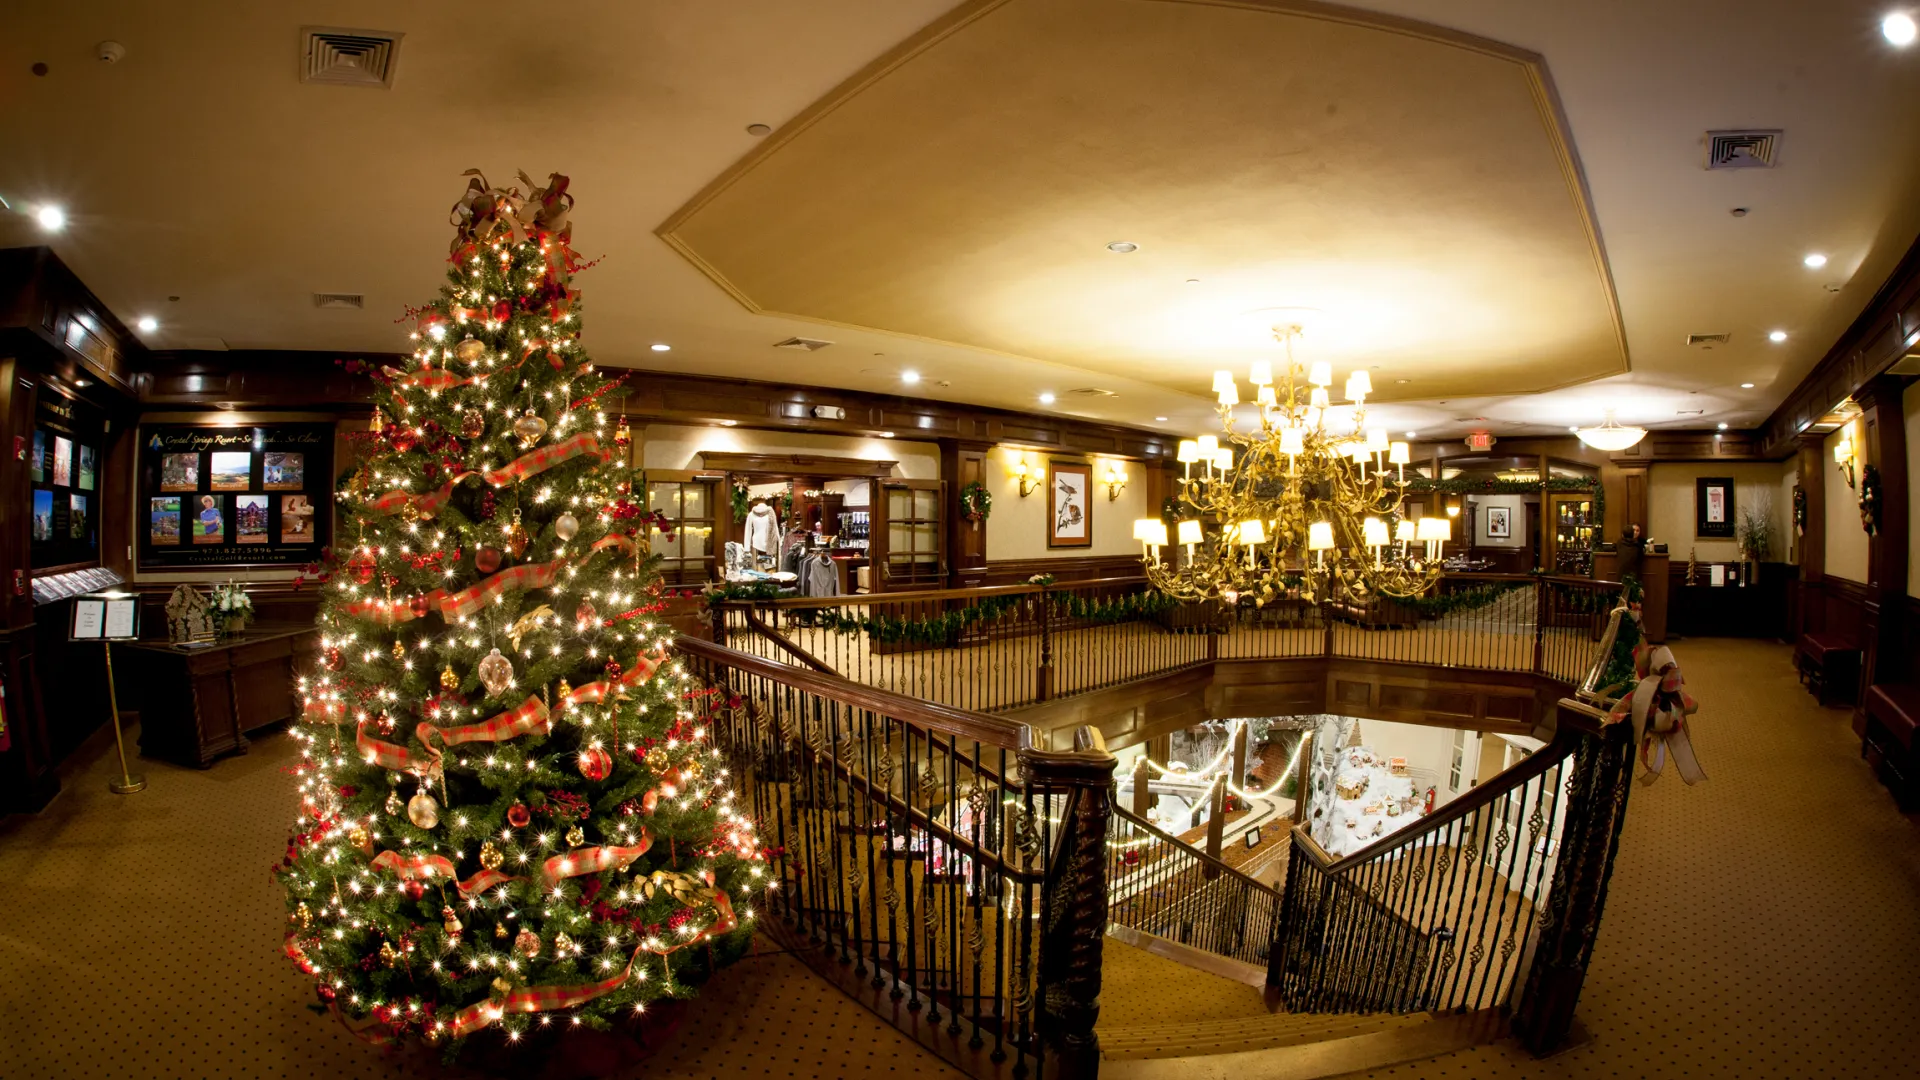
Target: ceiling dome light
{"type": "Point", "coordinates": [148, 324]}
{"type": "Point", "coordinates": [51, 218]}
{"type": "Point", "coordinates": [661, 346]}
{"type": "Point", "coordinates": [909, 377]}
{"type": "Point", "coordinates": [1777, 336]}
{"type": "Point", "coordinates": [1046, 399]}
{"type": "Point", "coordinates": [1122, 247]}
{"type": "Point", "coordinates": [1815, 261]}
{"type": "Point", "coordinates": [1898, 28]}
{"type": "Point", "coordinates": [1610, 436]}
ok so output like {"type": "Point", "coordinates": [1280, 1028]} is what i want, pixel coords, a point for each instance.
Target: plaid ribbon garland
{"type": "Point", "coordinates": [520, 468]}
{"type": "Point", "coordinates": [548, 998]}
{"type": "Point", "coordinates": [576, 863]}
{"type": "Point", "coordinates": [595, 692]}
{"type": "Point", "coordinates": [529, 717]}
{"type": "Point", "coordinates": [467, 601]}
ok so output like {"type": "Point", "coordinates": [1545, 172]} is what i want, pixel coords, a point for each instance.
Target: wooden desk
{"type": "Point", "coordinates": [197, 704]}
{"type": "Point", "coordinates": [1653, 583]}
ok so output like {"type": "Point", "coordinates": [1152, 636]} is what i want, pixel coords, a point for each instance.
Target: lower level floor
{"type": "Point", "coordinates": [1759, 925]}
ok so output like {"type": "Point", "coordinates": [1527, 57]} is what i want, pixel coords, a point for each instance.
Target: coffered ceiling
{"type": "Point", "coordinates": [1513, 201]}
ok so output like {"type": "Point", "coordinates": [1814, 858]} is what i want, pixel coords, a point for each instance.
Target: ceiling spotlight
{"type": "Point", "coordinates": [1723, 425]}
{"type": "Point", "coordinates": [1575, 430]}
{"type": "Point", "coordinates": [1898, 28]}
{"type": "Point", "coordinates": [1815, 261]}
{"type": "Point", "coordinates": [1122, 247]}
{"type": "Point", "coordinates": [1413, 434]}
{"type": "Point", "coordinates": [757, 130]}
{"type": "Point", "coordinates": [661, 346]}
{"type": "Point", "coordinates": [889, 434]}
{"type": "Point", "coordinates": [148, 324]}
{"type": "Point", "coordinates": [1161, 419]}
{"type": "Point", "coordinates": [1746, 386]}
{"type": "Point", "coordinates": [1777, 336]}
{"type": "Point", "coordinates": [909, 377]}
{"type": "Point", "coordinates": [728, 423]}
{"type": "Point", "coordinates": [1046, 398]}
{"type": "Point", "coordinates": [51, 218]}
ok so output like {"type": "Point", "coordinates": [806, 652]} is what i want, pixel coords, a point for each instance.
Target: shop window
{"type": "Point", "coordinates": [686, 553]}
{"type": "Point", "coordinates": [913, 535]}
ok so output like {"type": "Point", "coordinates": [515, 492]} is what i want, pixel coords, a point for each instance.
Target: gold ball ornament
{"type": "Point", "coordinates": [448, 680]}
{"type": "Point", "coordinates": [576, 836]}
{"type": "Point", "coordinates": [490, 857]}
{"type": "Point", "coordinates": [496, 673]}
{"type": "Point", "coordinates": [409, 512]}
{"type": "Point", "coordinates": [423, 811]}
{"type": "Point", "coordinates": [399, 650]}
{"type": "Point", "coordinates": [517, 537]}
{"type": "Point", "coordinates": [527, 944]}
{"type": "Point", "coordinates": [691, 770]}
{"type": "Point", "coordinates": [359, 837]}
{"type": "Point", "coordinates": [473, 424]}
{"type": "Point", "coordinates": [529, 429]}
{"type": "Point", "coordinates": [565, 526]}
{"type": "Point", "coordinates": [470, 349]}
{"type": "Point", "coordinates": [658, 759]}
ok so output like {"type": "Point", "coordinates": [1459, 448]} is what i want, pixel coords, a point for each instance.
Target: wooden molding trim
{"type": "Point", "coordinates": [796, 464]}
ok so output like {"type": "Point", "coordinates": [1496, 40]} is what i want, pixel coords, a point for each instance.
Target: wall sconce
{"type": "Point", "coordinates": [1843, 457]}
{"type": "Point", "coordinates": [1028, 474]}
{"type": "Point", "coordinates": [1115, 479]}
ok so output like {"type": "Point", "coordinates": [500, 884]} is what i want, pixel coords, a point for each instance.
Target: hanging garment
{"type": "Point", "coordinates": [820, 579]}
{"type": "Point", "coordinates": [763, 532]}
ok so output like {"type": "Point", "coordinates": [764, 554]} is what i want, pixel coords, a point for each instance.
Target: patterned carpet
{"type": "Point", "coordinates": [1762, 925]}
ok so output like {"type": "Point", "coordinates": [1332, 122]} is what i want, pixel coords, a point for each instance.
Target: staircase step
{"type": "Point", "coordinates": [1236, 1036]}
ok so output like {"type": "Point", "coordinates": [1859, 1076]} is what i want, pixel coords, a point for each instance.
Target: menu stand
{"type": "Point", "coordinates": [108, 617]}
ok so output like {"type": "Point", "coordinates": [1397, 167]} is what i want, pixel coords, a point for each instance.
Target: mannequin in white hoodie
{"type": "Point", "coordinates": [763, 535]}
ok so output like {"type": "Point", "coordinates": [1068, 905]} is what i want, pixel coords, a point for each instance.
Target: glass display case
{"type": "Point", "coordinates": [1574, 531]}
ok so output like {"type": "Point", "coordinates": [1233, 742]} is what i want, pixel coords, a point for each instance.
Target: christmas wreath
{"type": "Point", "coordinates": [976, 502]}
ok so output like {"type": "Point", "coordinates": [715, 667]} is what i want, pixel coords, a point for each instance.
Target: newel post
{"type": "Point", "coordinates": [1043, 675]}
{"type": "Point", "coordinates": [1540, 597]}
{"type": "Point", "coordinates": [1074, 899]}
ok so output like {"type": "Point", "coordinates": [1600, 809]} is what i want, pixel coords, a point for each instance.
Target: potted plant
{"type": "Point", "coordinates": [232, 608]}
{"type": "Point", "coordinates": [1755, 536]}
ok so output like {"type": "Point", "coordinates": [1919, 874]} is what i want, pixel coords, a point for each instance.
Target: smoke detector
{"type": "Point", "coordinates": [340, 57]}
{"type": "Point", "coordinates": [802, 344]}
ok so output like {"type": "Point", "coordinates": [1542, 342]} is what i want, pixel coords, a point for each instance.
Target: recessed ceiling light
{"type": "Point", "coordinates": [661, 346]}
{"type": "Point", "coordinates": [1746, 386]}
{"type": "Point", "coordinates": [757, 130]}
{"type": "Point", "coordinates": [1777, 336]}
{"type": "Point", "coordinates": [51, 218]}
{"type": "Point", "coordinates": [1122, 247]}
{"type": "Point", "coordinates": [1193, 281]}
{"type": "Point", "coordinates": [1814, 261]}
{"type": "Point", "coordinates": [1402, 382]}
{"type": "Point", "coordinates": [1575, 430]}
{"type": "Point", "coordinates": [148, 324]}
{"type": "Point", "coordinates": [1046, 399]}
{"type": "Point", "coordinates": [1738, 211]}
{"type": "Point", "coordinates": [1161, 419]}
{"type": "Point", "coordinates": [1413, 434]}
{"type": "Point", "coordinates": [728, 423]}
{"type": "Point", "coordinates": [1898, 28]}
{"type": "Point", "coordinates": [1723, 425]}
{"type": "Point", "coordinates": [889, 434]}
{"type": "Point", "coordinates": [909, 377]}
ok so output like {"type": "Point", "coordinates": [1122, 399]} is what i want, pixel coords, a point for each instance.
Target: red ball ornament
{"type": "Point", "coordinates": [362, 566]}
{"type": "Point", "coordinates": [518, 815]}
{"type": "Point", "coordinates": [418, 603]}
{"type": "Point", "coordinates": [559, 362]}
{"type": "Point", "coordinates": [403, 438]}
{"type": "Point", "coordinates": [595, 764]}
{"type": "Point", "coordinates": [486, 559]}
{"type": "Point", "coordinates": [614, 670]}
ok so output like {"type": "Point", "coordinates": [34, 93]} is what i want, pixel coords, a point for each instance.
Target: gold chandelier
{"type": "Point", "coordinates": [1295, 508]}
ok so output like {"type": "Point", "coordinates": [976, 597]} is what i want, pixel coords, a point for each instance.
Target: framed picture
{"type": "Point", "coordinates": [86, 469]}
{"type": "Point", "coordinates": [62, 462]}
{"type": "Point", "coordinates": [250, 519]}
{"type": "Point", "coordinates": [285, 472]}
{"type": "Point", "coordinates": [1069, 511]}
{"type": "Point", "coordinates": [77, 516]}
{"type": "Point", "coordinates": [163, 519]}
{"type": "Point", "coordinates": [222, 496]}
{"type": "Point", "coordinates": [1499, 522]}
{"type": "Point", "coordinates": [296, 520]}
{"type": "Point", "coordinates": [1713, 507]}
{"type": "Point", "coordinates": [232, 471]}
{"type": "Point", "coordinates": [39, 456]}
{"type": "Point", "coordinates": [42, 514]}
{"type": "Point", "coordinates": [209, 526]}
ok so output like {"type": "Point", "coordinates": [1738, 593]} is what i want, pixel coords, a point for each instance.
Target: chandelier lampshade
{"type": "Point", "coordinates": [1320, 536]}
{"type": "Point", "coordinates": [1611, 436]}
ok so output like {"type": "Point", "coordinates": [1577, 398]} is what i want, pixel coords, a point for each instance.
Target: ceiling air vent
{"type": "Point", "coordinates": [348, 300]}
{"type": "Point", "coordinates": [802, 344]}
{"type": "Point", "coordinates": [340, 57]}
{"type": "Point", "coordinates": [1708, 340]}
{"type": "Point", "coordinates": [1742, 149]}
{"type": "Point", "coordinates": [1092, 391]}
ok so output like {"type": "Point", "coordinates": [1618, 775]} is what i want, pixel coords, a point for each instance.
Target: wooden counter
{"type": "Point", "coordinates": [197, 704]}
{"type": "Point", "coordinates": [1653, 578]}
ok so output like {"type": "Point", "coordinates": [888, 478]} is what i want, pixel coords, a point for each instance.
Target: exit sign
{"type": "Point", "coordinates": [1480, 440]}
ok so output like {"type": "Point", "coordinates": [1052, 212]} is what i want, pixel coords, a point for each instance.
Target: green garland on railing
{"type": "Point", "coordinates": [1617, 675]}
{"type": "Point", "coordinates": [743, 590]}
{"type": "Point", "coordinates": [1476, 485]}
{"type": "Point", "coordinates": [1478, 596]}
{"type": "Point", "coordinates": [936, 629]}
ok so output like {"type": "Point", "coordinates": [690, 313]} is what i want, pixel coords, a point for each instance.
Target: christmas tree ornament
{"type": "Point", "coordinates": [562, 692]}
{"type": "Point", "coordinates": [399, 650]}
{"type": "Point", "coordinates": [423, 811]}
{"type": "Point", "coordinates": [496, 673]}
{"type": "Point", "coordinates": [576, 836]}
{"type": "Point", "coordinates": [394, 805]}
{"type": "Point", "coordinates": [658, 759]}
{"type": "Point", "coordinates": [361, 566]}
{"type": "Point", "coordinates": [613, 670]}
{"type": "Point", "coordinates": [418, 604]}
{"type": "Point", "coordinates": [403, 438]}
{"type": "Point", "coordinates": [409, 511]}
{"type": "Point", "coordinates": [490, 857]}
{"type": "Point", "coordinates": [333, 658]}
{"type": "Point", "coordinates": [303, 915]}
{"type": "Point", "coordinates": [379, 421]}
{"type": "Point", "coordinates": [448, 680]}
{"type": "Point", "coordinates": [518, 815]}
{"type": "Point", "coordinates": [529, 429]}
{"type": "Point", "coordinates": [359, 837]}
{"type": "Point", "coordinates": [473, 424]}
{"type": "Point", "coordinates": [389, 956]}
{"type": "Point", "coordinates": [595, 764]}
{"type": "Point", "coordinates": [486, 560]}
{"type": "Point", "coordinates": [470, 349]}
{"type": "Point", "coordinates": [499, 933]}
{"type": "Point", "coordinates": [527, 943]}
{"type": "Point", "coordinates": [517, 538]}
{"type": "Point", "coordinates": [450, 921]}
{"type": "Point", "coordinates": [691, 771]}
{"type": "Point", "coordinates": [562, 944]}
{"type": "Point", "coordinates": [586, 616]}
{"type": "Point", "coordinates": [622, 436]}
{"type": "Point", "coordinates": [565, 526]}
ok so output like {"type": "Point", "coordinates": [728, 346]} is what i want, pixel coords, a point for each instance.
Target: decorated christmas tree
{"type": "Point", "coordinates": [512, 809]}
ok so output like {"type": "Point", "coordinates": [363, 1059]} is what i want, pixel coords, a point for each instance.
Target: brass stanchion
{"type": "Point", "coordinates": [128, 783]}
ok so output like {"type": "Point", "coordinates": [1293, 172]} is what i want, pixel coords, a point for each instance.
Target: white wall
{"type": "Point", "coordinates": [1846, 540]}
{"type": "Point", "coordinates": [676, 446]}
{"type": "Point", "coordinates": [1670, 507]}
{"type": "Point", "coordinates": [1018, 527]}
{"type": "Point", "coordinates": [1516, 520]}
{"type": "Point", "coordinates": [1428, 749]}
